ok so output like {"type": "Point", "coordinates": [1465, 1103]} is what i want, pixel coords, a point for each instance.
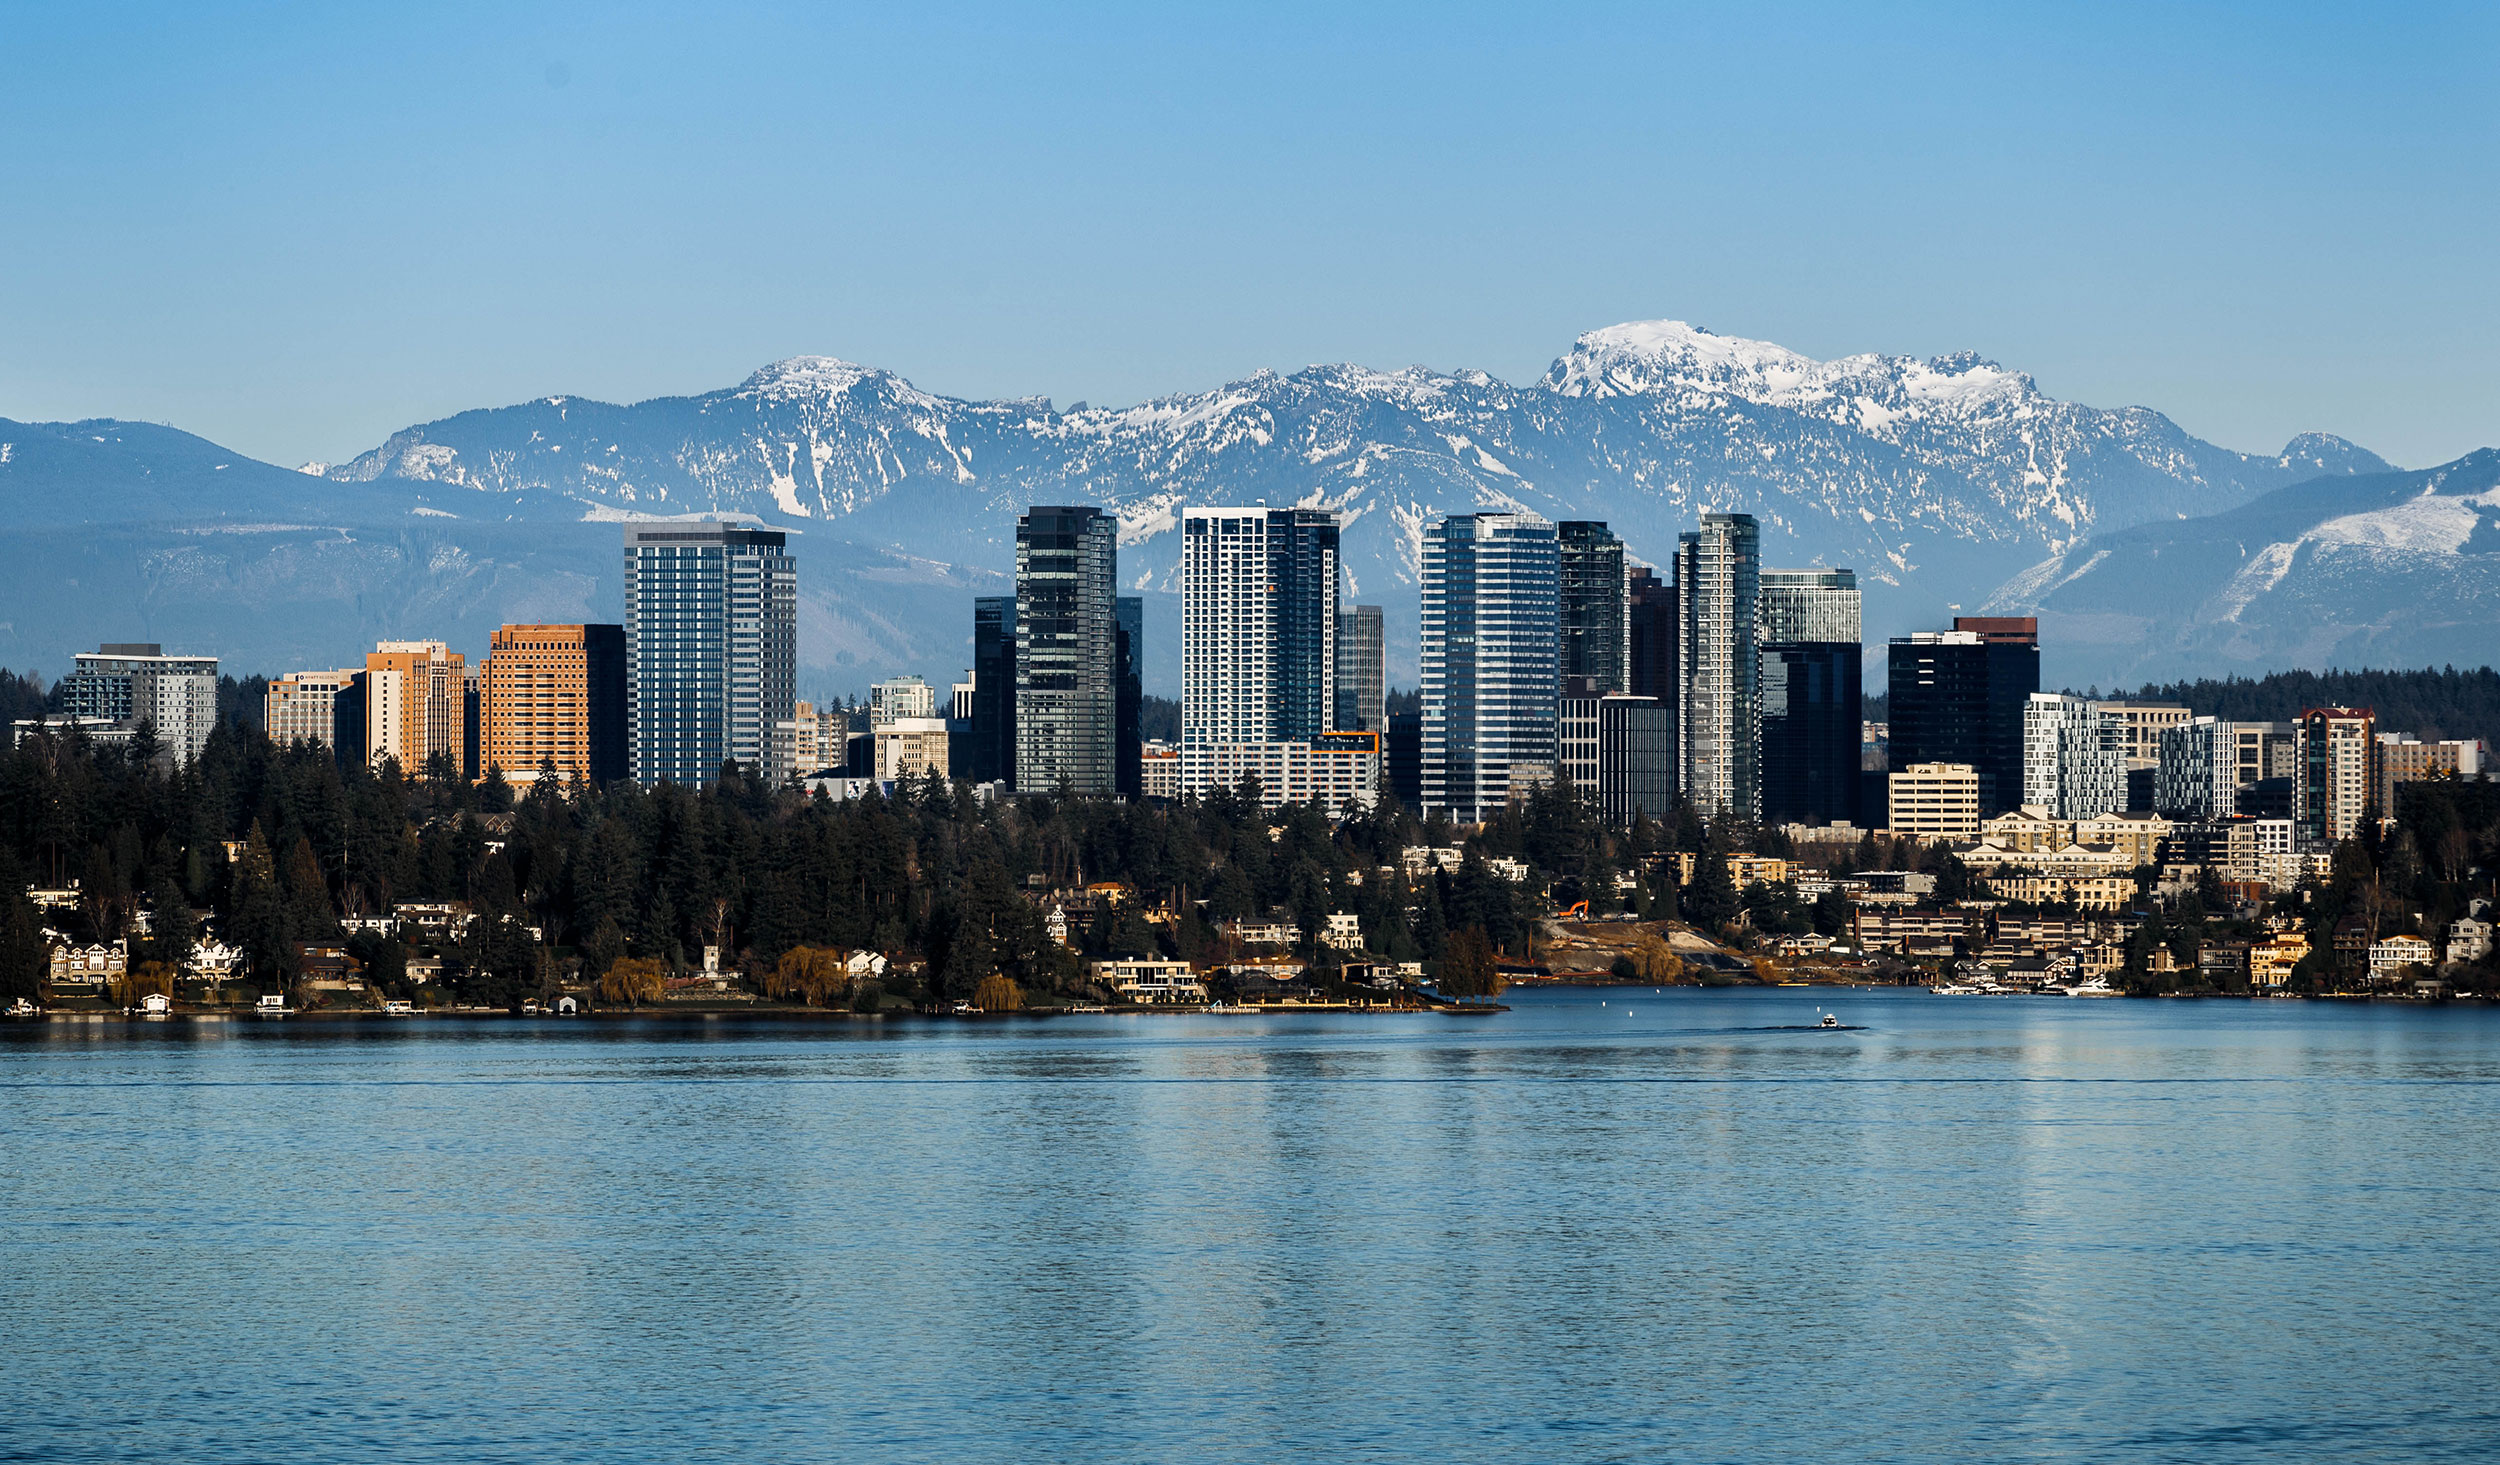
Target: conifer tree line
{"type": "Point", "coordinates": [271, 846]}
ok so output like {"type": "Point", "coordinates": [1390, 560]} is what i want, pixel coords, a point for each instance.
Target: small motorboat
{"type": "Point", "coordinates": [1830, 1021]}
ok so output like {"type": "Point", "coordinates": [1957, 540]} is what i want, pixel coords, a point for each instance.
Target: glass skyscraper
{"type": "Point", "coordinates": [1958, 697]}
{"type": "Point", "coordinates": [1362, 688]}
{"type": "Point", "coordinates": [1259, 627]}
{"type": "Point", "coordinates": [1491, 654]}
{"type": "Point", "coordinates": [1811, 695]}
{"type": "Point", "coordinates": [1067, 651]}
{"type": "Point", "coordinates": [1596, 626]}
{"type": "Point", "coordinates": [711, 641]}
{"type": "Point", "coordinates": [993, 757]}
{"type": "Point", "coordinates": [1718, 574]}
{"type": "Point", "coordinates": [1129, 743]}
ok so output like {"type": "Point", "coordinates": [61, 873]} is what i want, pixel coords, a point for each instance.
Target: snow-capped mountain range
{"type": "Point", "coordinates": [2387, 569]}
{"type": "Point", "coordinates": [1885, 462]}
{"type": "Point", "coordinates": [1936, 479]}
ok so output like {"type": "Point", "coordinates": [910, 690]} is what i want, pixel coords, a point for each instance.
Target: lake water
{"type": "Point", "coordinates": [1603, 1226]}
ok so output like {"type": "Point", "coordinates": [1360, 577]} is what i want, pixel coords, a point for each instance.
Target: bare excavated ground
{"type": "Point", "coordinates": [1586, 950]}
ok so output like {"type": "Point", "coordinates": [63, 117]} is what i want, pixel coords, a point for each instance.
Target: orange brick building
{"type": "Point", "coordinates": [555, 694]}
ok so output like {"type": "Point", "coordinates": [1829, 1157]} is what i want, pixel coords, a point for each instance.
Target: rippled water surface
{"type": "Point", "coordinates": [1606, 1225]}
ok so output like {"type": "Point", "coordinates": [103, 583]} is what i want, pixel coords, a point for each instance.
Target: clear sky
{"type": "Point", "coordinates": [296, 228]}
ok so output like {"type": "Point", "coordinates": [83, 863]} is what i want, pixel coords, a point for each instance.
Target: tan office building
{"type": "Point", "coordinates": [2142, 724]}
{"type": "Point", "coordinates": [1936, 801]}
{"type": "Point", "coordinates": [912, 747]}
{"type": "Point", "coordinates": [325, 707]}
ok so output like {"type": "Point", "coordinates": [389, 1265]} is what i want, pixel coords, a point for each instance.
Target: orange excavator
{"type": "Point", "coordinates": [1578, 912]}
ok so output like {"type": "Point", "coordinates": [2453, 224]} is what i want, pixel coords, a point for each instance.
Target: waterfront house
{"type": "Point", "coordinates": [2270, 962]}
{"type": "Point", "coordinates": [2392, 955]}
{"type": "Point", "coordinates": [2469, 939]}
{"type": "Point", "coordinates": [1150, 980]}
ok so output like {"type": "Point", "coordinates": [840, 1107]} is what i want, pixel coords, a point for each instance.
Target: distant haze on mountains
{"type": "Point", "coordinates": [1946, 482]}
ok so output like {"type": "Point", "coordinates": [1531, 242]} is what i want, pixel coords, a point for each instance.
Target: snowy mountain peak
{"type": "Point", "coordinates": [1645, 356]}
{"type": "Point", "coordinates": [1677, 360]}
{"type": "Point", "coordinates": [815, 376]}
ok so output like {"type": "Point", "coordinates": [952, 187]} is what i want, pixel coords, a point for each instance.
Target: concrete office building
{"type": "Point", "coordinates": [1811, 694]}
{"type": "Point", "coordinates": [2074, 757]}
{"type": "Point", "coordinates": [2266, 750]}
{"type": "Point", "coordinates": [1362, 670]}
{"type": "Point", "coordinates": [1958, 697]}
{"type": "Point", "coordinates": [325, 707]}
{"type": "Point", "coordinates": [1596, 625]}
{"type": "Point", "coordinates": [1718, 574]}
{"type": "Point", "coordinates": [1334, 770]}
{"type": "Point", "coordinates": [1067, 651]}
{"type": "Point", "coordinates": [555, 695]}
{"type": "Point", "coordinates": [2142, 724]}
{"type": "Point", "coordinates": [711, 638]}
{"type": "Point", "coordinates": [1491, 598]}
{"type": "Point", "coordinates": [900, 697]}
{"type": "Point", "coordinates": [2404, 758]}
{"type": "Point", "coordinates": [135, 682]}
{"type": "Point", "coordinates": [1935, 801]}
{"type": "Point", "coordinates": [912, 747]}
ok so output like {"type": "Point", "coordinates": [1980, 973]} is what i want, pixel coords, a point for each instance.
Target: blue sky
{"type": "Point", "coordinates": [297, 228]}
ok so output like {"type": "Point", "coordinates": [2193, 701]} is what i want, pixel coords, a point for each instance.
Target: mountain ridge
{"type": "Point", "coordinates": [1935, 478]}
{"type": "Point", "coordinates": [2400, 568]}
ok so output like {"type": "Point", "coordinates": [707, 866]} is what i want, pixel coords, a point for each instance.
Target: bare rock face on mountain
{"type": "Point", "coordinates": [1935, 479]}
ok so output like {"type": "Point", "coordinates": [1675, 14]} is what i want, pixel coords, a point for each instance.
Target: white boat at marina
{"type": "Point", "coordinates": [272, 1005]}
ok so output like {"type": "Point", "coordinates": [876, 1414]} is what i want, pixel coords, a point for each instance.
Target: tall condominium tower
{"type": "Point", "coordinates": [1362, 670]}
{"type": "Point", "coordinates": [1067, 650]}
{"type": "Point", "coordinates": [2339, 772]}
{"type": "Point", "coordinates": [416, 704]}
{"type": "Point", "coordinates": [1491, 608]}
{"type": "Point", "coordinates": [555, 695]}
{"type": "Point", "coordinates": [133, 682]}
{"type": "Point", "coordinates": [1718, 573]}
{"type": "Point", "coordinates": [2074, 757]}
{"type": "Point", "coordinates": [1596, 605]}
{"type": "Point", "coordinates": [993, 758]}
{"type": "Point", "coordinates": [711, 648]}
{"type": "Point", "coordinates": [1258, 631]}
{"type": "Point", "coordinates": [1958, 696]}
{"type": "Point", "coordinates": [1812, 695]}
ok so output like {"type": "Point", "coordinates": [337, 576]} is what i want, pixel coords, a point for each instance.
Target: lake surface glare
{"type": "Point", "coordinates": [1608, 1225]}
